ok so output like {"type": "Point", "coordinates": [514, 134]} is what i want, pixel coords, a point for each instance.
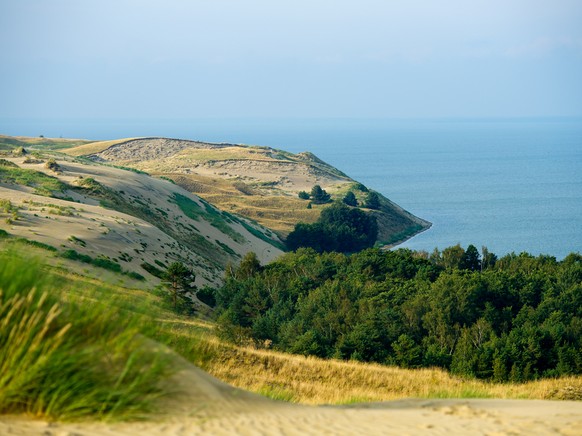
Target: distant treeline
{"type": "Point", "coordinates": [515, 318]}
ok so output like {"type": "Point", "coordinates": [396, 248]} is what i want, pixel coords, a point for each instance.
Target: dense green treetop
{"type": "Point", "coordinates": [338, 228]}
{"type": "Point", "coordinates": [515, 318]}
{"type": "Point", "coordinates": [303, 195]}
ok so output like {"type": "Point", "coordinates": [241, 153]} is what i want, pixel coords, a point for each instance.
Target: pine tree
{"type": "Point", "coordinates": [178, 279]}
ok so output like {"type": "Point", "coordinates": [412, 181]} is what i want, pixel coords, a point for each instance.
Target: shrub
{"type": "Point", "coordinates": [6, 206]}
{"type": "Point", "coordinates": [167, 179]}
{"type": "Point", "coordinates": [350, 199]}
{"type": "Point", "coordinates": [7, 163]}
{"type": "Point", "coordinates": [73, 255]}
{"type": "Point", "coordinates": [105, 263]}
{"type": "Point", "coordinates": [37, 244]}
{"type": "Point", "coordinates": [319, 196]}
{"type": "Point", "coordinates": [92, 186]}
{"type": "Point", "coordinates": [135, 275]}
{"type": "Point", "coordinates": [360, 187]}
{"type": "Point", "coordinates": [32, 160]}
{"type": "Point", "coordinates": [77, 240]}
{"type": "Point", "coordinates": [206, 295]}
{"type": "Point", "coordinates": [19, 151]}
{"type": "Point", "coordinates": [160, 263]}
{"type": "Point", "coordinates": [52, 165]}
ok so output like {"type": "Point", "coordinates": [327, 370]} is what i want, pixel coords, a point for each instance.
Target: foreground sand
{"type": "Point", "coordinates": [206, 406]}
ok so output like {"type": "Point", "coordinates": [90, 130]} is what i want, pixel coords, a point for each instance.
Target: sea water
{"type": "Point", "coordinates": [512, 185]}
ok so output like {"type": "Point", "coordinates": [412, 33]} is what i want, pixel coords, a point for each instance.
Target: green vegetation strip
{"type": "Point", "coordinates": [216, 219]}
{"type": "Point", "coordinates": [43, 184]}
{"type": "Point", "coordinates": [255, 232]}
{"type": "Point", "coordinates": [100, 262]}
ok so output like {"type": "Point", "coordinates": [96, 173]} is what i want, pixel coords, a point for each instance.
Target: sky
{"type": "Point", "coordinates": [290, 59]}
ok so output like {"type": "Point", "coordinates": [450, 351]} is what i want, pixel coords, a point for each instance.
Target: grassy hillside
{"type": "Point", "coordinates": [65, 386]}
{"type": "Point", "coordinates": [260, 183]}
{"type": "Point", "coordinates": [121, 220]}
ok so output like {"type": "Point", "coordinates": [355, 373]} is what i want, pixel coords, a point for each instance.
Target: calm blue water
{"type": "Point", "coordinates": [512, 185]}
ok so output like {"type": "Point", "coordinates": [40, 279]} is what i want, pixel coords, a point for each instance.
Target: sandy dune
{"type": "Point", "coordinates": [206, 406]}
{"type": "Point", "coordinates": [166, 237]}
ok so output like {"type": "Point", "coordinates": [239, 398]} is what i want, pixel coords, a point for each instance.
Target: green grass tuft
{"type": "Point", "coordinates": [71, 358]}
{"type": "Point", "coordinates": [276, 392]}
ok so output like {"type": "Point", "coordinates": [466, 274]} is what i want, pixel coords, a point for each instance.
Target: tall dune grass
{"type": "Point", "coordinates": [69, 358]}
{"type": "Point", "coordinates": [315, 381]}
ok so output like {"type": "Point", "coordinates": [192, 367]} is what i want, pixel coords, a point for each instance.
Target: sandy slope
{"type": "Point", "coordinates": [112, 233]}
{"type": "Point", "coordinates": [206, 406]}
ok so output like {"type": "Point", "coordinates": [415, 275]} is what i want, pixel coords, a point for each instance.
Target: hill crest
{"type": "Point", "coordinates": [261, 183]}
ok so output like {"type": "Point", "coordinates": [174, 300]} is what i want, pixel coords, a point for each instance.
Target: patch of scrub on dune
{"type": "Point", "coordinates": [214, 217]}
{"type": "Point", "coordinates": [42, 183]}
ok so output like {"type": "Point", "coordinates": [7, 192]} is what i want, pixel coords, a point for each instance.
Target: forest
{"type": "Point", "coordinates": [514, 318]}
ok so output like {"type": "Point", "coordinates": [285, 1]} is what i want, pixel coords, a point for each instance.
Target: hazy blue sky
{"type": "Point", "coordinates": [315, 58]}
